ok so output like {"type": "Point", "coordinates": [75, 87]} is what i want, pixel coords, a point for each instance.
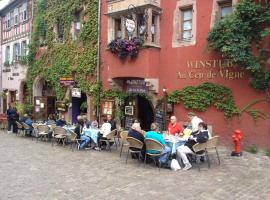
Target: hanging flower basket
{"type": "Point", "coordinates": [125, 47]}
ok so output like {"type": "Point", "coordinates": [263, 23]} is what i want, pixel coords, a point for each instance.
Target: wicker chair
{"type": "Point", "coordinates": [34, 131]}
{"type": "Point", "coordinates": [123, 136]}
{"type": "Point", "coordinates": [73, 140]}
{"type": "Point", "coordinates": [20, 128]}
{"type": "Point", "coordinates": [200, 151]}
{"type": "Point", "coordinates": [134, 147]}
{"type": "Point", "coordinates": [212, 144]}
{"type": "Point", "coordinates": [27, 129]}
{"type": "Point", "coordinates": [42, 131]}
{"type": "Point", "coordinates": [153, 145]}
{"type": "Point", "coordinates": [109, 138]}
{"type": "Point", "coordinates": [59, 134]}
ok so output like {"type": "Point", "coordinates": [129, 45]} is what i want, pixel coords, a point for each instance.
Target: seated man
{"type": "Point", "coordinates": [136, 131]}
{"type": "Point", "coordinates": [155, 135]}
{"type": "Point", "coordinates": [29, 122]}
{"type": "Point", "coordinates": [61, 122]}
{"type": "Point", "coordinates": [199, 137]}
{"type": "Point", "coordinates": [174, 127]}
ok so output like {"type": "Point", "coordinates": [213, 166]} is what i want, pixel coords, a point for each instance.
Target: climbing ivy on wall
{"type": "Point", "coordinates": [209, 94]}
{"type": "Point", "coordinates": [76, 58]}
{"type": "Point", "coordinates": [203, 96]}
{"type": "Point", "coordinates": [241, 37]}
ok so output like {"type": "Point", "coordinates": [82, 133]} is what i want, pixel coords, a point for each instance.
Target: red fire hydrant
{"type": "Point", "coordinates": [237, 136]}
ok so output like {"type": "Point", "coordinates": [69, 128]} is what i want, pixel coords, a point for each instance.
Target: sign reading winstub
{"type": "Point", "coordinates": [130, 25]}
{"type": "Point", "coordinates": [136, 86]}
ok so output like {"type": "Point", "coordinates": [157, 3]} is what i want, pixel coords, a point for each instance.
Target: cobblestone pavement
{"type": "Point", "coordinates": [37, 171]}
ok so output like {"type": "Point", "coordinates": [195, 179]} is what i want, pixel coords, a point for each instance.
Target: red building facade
{"type": "Point", "coordinates": [175, 55]}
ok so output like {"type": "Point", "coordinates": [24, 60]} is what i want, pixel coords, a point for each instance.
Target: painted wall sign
{"type": "Point", "coordinates": [136, 86]}
{"type": "Point", "coordinates": [210, 69]}
{"type": "Point", "coordinates": [66, 81]}
{"type": "Point", "coordinates": [130, 25]}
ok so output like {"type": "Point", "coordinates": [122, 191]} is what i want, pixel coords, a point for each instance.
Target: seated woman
{"type": "Point", "coordinates": [95, 132]}
{"type": "Point", "coordinates": [200, 137]}
{"type": "Point", "coordinates": [136, 131]}
{"type": "Point", "coordinates": [79, 130]}
{"type": "Point", "coordinates": [104, 131]}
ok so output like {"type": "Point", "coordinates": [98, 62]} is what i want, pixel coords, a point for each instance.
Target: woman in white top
{"type": "Point", "coordinates": [104, 131]}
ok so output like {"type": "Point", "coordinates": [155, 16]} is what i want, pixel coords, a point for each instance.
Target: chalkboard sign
{"type": "Point", "coordinates": [128, 122]}
{"type": "Point", "coordinates": [160, 119]}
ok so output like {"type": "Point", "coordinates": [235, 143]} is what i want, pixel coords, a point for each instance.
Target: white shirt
{"type": "Point", "coordinates": [195, 122]}
{"type": "Point", "coordinates": [105, 129]}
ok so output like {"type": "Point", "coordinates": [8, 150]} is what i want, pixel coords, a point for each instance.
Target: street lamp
{"type": "Point", "coordinates": [165, 100]}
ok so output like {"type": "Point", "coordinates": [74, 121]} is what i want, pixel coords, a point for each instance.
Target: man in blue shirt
{"type": "Point", "coordinates": [155, 135]}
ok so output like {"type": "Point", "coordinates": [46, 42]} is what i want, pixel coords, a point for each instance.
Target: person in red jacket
{"type": "Point", "coordinates": [174, 127]}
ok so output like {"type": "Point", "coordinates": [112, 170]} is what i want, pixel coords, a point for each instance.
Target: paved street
{"type": "Point", "coordinates": [37, 171]}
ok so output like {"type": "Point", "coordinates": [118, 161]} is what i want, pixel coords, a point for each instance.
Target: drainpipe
{"type": "Point", "coordinates": [98, 57]}
{"type": "Point", "coordinates": [30, 39]}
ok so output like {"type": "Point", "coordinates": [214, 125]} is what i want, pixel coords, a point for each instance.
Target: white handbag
{"type": "Point", "coordinates": [175, 165]}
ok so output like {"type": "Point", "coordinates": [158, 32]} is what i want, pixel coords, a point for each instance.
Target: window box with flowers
{"type": "Point", "coordinates": [124, 47]}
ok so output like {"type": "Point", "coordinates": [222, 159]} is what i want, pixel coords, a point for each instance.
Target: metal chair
{"type": "Point", "coordinates": [109, 138]}
{"type": "Point", "coordinates": [153, 145]}
{"type": "Point", "coordinates": [123, 136]}
{"type": "Point", "coordinates": [134, 147]}
{"type": "Point", "coordinates": [42, 131]}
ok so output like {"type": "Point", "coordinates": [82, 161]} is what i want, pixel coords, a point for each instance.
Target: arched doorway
{"type": "Point", "coordinates": [140, 108]}
{"type": "Point", "coordinates": [43, 99]}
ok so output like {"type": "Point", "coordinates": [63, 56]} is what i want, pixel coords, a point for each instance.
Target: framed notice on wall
{"type": "Point", "coordinates": [107, 107]}
{"type": "Point", "coordinates": [129, 110]}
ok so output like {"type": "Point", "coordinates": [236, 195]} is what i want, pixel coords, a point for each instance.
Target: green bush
{"type": "Point", "coordinates": [253, 149]}
{"type": "Point", "coordinates": [267, 152]}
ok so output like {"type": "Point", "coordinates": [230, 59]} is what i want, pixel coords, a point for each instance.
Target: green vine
{"type": "Point", "coordinates": [203, 96]}
{"type": "Point", "coordinates": [72, 58]}
{"type": "Point", "coordinates": [235, 35]}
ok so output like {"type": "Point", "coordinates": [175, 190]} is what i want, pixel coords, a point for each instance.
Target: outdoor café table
{"type": "Point", "coordinates": [93, 134]}
{"type": "Point", "coordinates": [173, 142]}
{"type": "Point", "coordinates": [69, 129]}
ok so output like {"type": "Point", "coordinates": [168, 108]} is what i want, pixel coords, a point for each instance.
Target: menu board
{"type": "Point", "coordinates": [160, 119]}
{"type": "Point", "coordinates": [160, 116]}
{"type": "Point", "coordinates": [128, 122]}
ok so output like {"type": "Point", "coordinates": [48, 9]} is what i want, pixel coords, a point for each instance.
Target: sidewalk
{"type": "Point", "coordinates": [37, 171]}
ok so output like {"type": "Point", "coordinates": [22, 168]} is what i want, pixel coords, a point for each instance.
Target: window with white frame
{"type": "Point", "coordinates": [225, 8]}
{"type": "Point", "coordinates": [150, 35]}
{"type": "Point", "coordinates": [16, 16]}
{"type": "Point", "coordinates": [24, 11]}
{"type": "Point", "coordinates": [16, 51]}
{"type": "Point", "coordinates": [186, 23]}
{"type": "Point", "coordinates": [117, 28]}
{"type": "Point", "coordinates": [77, 25]}
{"type": "Point", "coordinates": [7, 54]}
{"type": "Point", "coordinates": [60, 31]}
{"type": "Point", "coordinates": [8, 24]}
{"type": "Point", "coordinates": [23, 48]}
